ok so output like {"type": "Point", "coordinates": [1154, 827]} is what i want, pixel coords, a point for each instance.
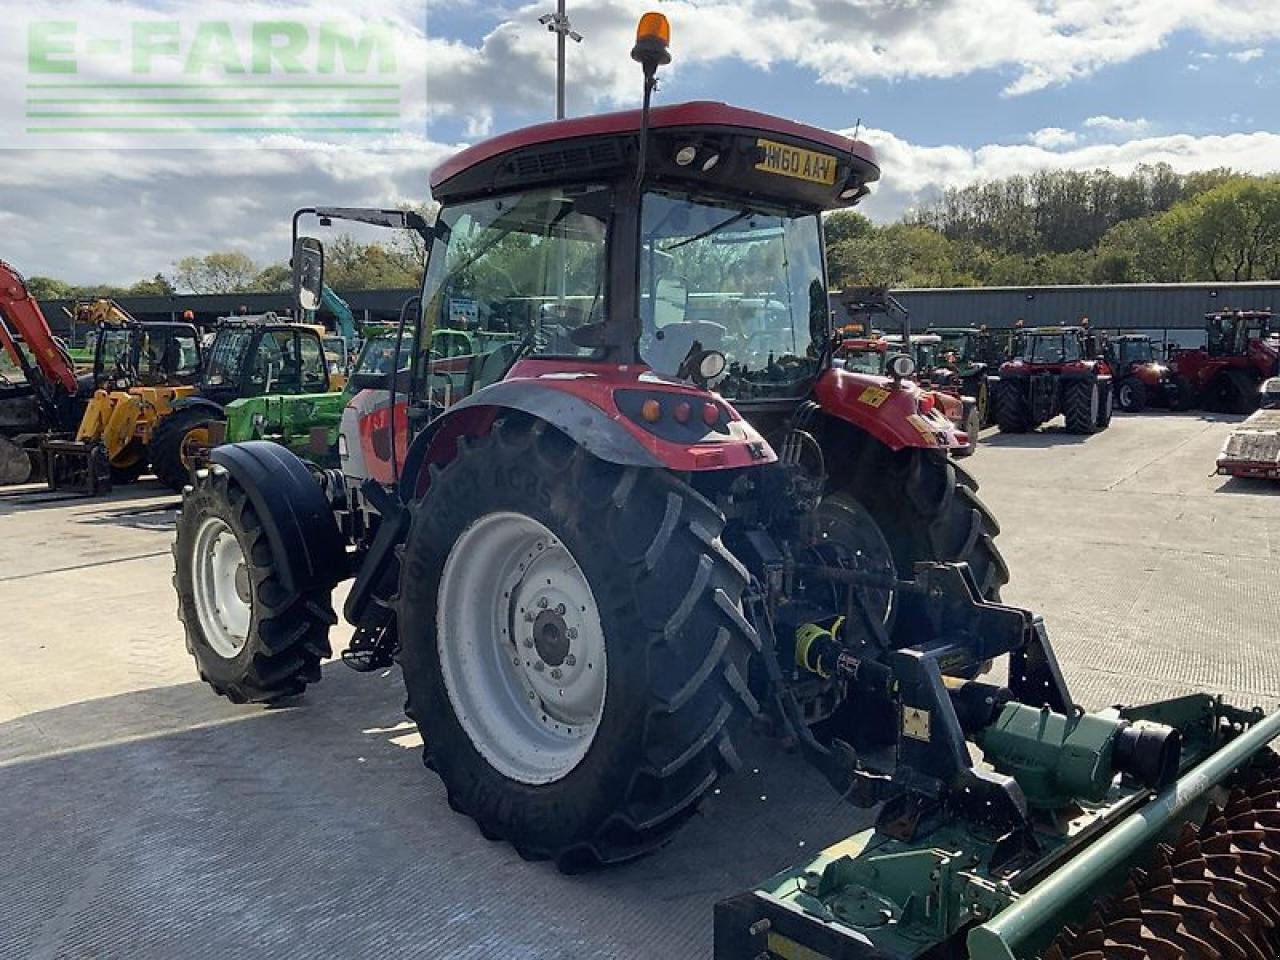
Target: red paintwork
{"type": "Point", "coordinates": [22, 311]}
{"type": "Point", "coordinates": [1152, 374]}
{"type": "Point", "coordinates": [375, 438]}
{"type": "Point", "coordinates": [1013, 368]}
{"type": "Point", "coordinates": [1200, 368]}
{"type": "Point", "coordinates": [840, 394]}
{"type": "Point", "coordinates": [699, 113]}
{"type": "Point", "coordinates": [595, 383]}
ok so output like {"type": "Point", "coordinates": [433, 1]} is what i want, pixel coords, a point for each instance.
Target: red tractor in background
{"type": "Point", "coordinates": [1140, 378]}
{"type": "Point", "coordinates": [1052, 371]}
{"type": "Point", "coordinates": [1242, 348]}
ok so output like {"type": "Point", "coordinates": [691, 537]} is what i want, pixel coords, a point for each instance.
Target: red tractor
{"type": "Point", "coordinates": [1242, 348]}
{"type": "Point", "coordinates": [1140, 378]}
{"type": "Point", "coordinates": [1052, 371]}
{"type": "Point", "coordinates": [660, 512]}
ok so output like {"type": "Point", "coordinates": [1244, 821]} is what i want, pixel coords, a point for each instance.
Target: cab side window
{"type": "Point", "coordinates": [311, 358]}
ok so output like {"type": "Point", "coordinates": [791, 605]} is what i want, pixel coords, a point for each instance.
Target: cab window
{"type": "Point", "coordinates": [314, 377]}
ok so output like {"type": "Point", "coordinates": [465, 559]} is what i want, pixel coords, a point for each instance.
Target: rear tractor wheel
{"type": "Point", "coordinates": [573, 646]}
{"type": "Point", "coordinates": [1082, 405]}
{"type": "Point", "coordinates": [1234, 392]}
{"type": "Point", "coordinates": [252, 640]}
{"type": "Point", "coordinates": [174, 442]}
{"type": "Point", "coordinates": [1013, 407]}
{"type": "Point", "coordinates": [1106, 403]}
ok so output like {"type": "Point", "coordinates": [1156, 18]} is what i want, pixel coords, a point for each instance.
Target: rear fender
{"type": "Point", "coordinates": [887, 411]}
{"type": "Point", "coordinates": [1085, 370]}
{"type": "Point", "coordinates": [585, 407]}
{"type": "Point", "coordinates": [294, 512]}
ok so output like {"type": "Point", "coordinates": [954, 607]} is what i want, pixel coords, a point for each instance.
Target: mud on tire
{"type": "Point", "coordinates": [287, 633]}
{"type": "Point", "coordinates": [676, 644]}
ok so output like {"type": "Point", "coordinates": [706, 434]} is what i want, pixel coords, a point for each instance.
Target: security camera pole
{"type": "Point", "coordinates": [558, 23]}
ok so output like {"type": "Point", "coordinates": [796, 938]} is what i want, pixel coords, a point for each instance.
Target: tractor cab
{"type": "Point", "coordinates": [706, 266]}
{"type": "Point", "coordinates": [1231, 333]}
{"type": "Point", "coordinates": [147, 355]}
{"type": "Point", "coordinates": [1049, 346]}
{"type": "Point", "coordinates": [264, 354]}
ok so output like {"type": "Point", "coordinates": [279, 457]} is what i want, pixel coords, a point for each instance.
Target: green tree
{"type": "Point", "coordinates": [47, 288]}
{"type": "Point", "coordinates": [222, 272]}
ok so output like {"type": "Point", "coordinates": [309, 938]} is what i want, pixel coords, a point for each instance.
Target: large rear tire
{"type": "Point", "coordinates": [1082, 405]}
{"type": "Point", "coordinates": [252, 640]}
{"type": "Point", "coordinates": [1233, 392]}
{"type": "Point", "coordinates": [1106, 403]}
{"type": "Point", "coordinates": [171, 445]}
{"type": "Point", "coordinates": [15, 463]}
{"type": "Point", "coordinates": [1013, 407]}
{"type": "Point", "coordinates": [588, 733]}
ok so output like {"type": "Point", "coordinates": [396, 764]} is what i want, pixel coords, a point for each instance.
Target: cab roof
{"type": "Point", "coordinates": [529, 153]}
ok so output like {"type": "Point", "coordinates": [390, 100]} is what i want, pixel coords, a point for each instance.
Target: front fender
{"type": "Point", "coordinates": [295, 513]}
{"type": "Point", "coordinates": [887, 411]}
{"type": "Point", "coordinates": [199, 403]}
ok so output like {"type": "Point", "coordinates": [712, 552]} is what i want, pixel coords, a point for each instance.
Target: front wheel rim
{"type": "Point", "coordinates": [521, 648]}
{"type": "Point", "coordinates": [221, 588]}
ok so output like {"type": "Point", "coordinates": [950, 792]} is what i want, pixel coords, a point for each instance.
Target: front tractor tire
{"type": "Point", "coordinates": [173, 443]}
{"type": "Point", "coordinates": [1082, 405]}
{"type": "Point", "coordinates": [573, 645]}
{"type": "Point", "coordinates": [252, 640]}
{"type": "Point", "coordinates": [1131, 395]}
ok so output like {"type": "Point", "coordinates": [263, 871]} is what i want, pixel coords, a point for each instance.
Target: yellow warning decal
{"type": "Point", "coordinates": [788, 161]}
{"type": "Point", "coordinates": [923, 428]}
{"type": "Point", "coordinates": [873, 396]}
{"type": "Point", "coordinates": [915, 723]}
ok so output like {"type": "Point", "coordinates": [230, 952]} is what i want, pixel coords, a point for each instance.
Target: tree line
{"type": "Point", "coordinates": [1052, 227]}
{"type": "Point", "coordinates": [1067, 227]}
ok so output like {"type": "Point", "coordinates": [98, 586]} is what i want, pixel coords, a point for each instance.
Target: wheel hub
{"type": "Point", "coordinates": [521, 648]}
{"type": "Point", "coordinates": [221, 588]}
{"type": "Point", "coordinates": [551, 638]}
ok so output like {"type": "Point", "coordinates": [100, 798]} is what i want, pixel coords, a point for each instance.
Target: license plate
{"type": "Point", "coordinates": [788, 161]}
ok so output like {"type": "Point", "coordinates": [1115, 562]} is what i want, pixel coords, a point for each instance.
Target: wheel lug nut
{"type": "Point", "coordinates": [573, 633]}
{"type": "Point", "coordinates": [570, 660]}
{"type": "Point", "coordinates": [542, 603]}
{"type": "Point", "coordinates": [555, 674]}
{"type": "Point", "coordinates": [560, 609]}
{"type": "Point", "coordinates": [538, 665]}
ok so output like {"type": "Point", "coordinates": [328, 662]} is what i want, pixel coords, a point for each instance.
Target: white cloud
{"type": "Point", "coordinates": [1118, 126]}
{"type": "Point", "coordinates": [1051, 137]}
{"type": "Point", "coordinates": [169, 203]}
{"type": "Point", "coordinates": [844, 42]}
{"type": "Point", "coordinates": [1245, 56]}
{"type": "Point", "coordinates": [913, 174]}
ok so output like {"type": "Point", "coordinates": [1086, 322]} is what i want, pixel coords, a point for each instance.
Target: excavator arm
{"type": "Point", "coordinates": [346, 321]}
{"type": "Point", "coordinates": [22, 318]}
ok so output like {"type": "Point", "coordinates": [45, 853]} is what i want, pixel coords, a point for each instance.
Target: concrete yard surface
{"type": "Point", "coordinates": [145, 817]}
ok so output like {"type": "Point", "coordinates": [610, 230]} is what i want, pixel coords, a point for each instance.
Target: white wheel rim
{"type": "Point", "coordinates": [220, 582]}
{"type": "Point", "coordinates": [522, 652]}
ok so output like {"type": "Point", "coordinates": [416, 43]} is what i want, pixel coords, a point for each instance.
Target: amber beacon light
{"type": "Point", "coordinates": [653, 36]}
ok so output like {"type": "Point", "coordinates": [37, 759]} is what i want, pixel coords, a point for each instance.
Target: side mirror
{"type": "Point", "coordinates": [308, 273]}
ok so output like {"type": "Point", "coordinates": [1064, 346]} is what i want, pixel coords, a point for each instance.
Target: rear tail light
{"type": "Point", "coordinates": [927, 401]}
{"type": "Point", "coordinates": [710, 414]}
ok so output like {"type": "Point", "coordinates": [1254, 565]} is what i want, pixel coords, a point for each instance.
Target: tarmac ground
{"type": "Point", "coordinates": [145, 817]}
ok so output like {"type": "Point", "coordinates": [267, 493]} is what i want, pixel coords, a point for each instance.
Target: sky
{"type": "Point", "coordinates": [950, 92]}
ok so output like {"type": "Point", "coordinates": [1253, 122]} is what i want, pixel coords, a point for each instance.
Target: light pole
{"type": "Point", "coordinates": [558, 23]}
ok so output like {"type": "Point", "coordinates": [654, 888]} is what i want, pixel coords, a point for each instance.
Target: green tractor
{"type": "Point", "coordinates": [265, 376]}
{"type": "Point", "coordinates": [970, 354]}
